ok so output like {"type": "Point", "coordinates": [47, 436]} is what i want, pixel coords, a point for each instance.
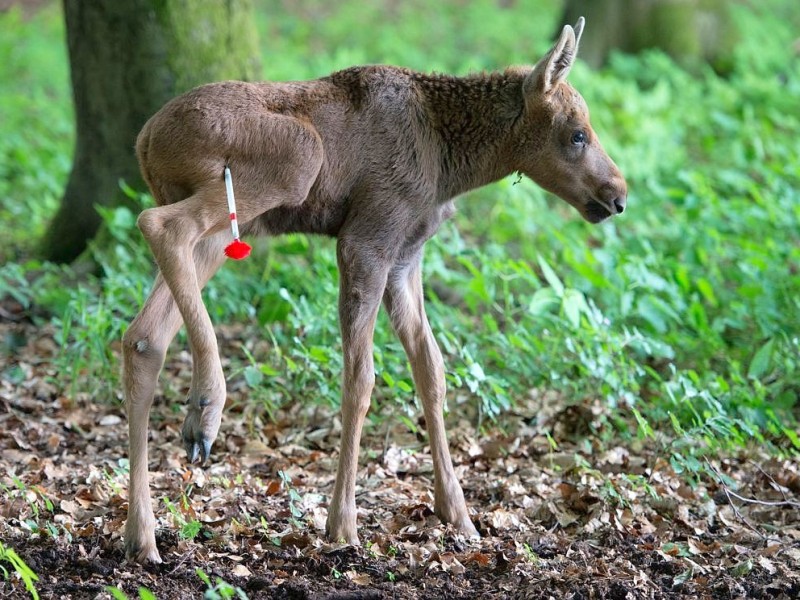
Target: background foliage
{"type": "Point", "coordinates": [681, 318]}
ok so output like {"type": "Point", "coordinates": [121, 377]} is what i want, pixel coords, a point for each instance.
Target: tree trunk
{"type": "Point", "coordinates": [127, 58]}
{"type": "Point", "coordinates": [688, 30]}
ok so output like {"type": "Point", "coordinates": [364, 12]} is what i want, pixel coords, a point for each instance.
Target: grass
{"type": "Point", "coordinates": [681, 317]}
{"type": "Point", "coordinates": [22, 570]}
{"type": "Point", "coordinates": [36, 130]}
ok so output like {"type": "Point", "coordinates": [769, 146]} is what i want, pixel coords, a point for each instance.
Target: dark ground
{"type": "Point", "coordinates": [587, 520]}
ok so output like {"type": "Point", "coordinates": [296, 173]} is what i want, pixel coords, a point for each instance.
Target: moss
{"type": "Point", "coordinates": [127, 59]}
{"type": "Point", "coordinates": [209, 40]}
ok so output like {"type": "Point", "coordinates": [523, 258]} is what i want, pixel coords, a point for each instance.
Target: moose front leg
{"type": "Point", "coordinates": [362, 281]}
{"type": "Point", "coordinates": [405, 304]}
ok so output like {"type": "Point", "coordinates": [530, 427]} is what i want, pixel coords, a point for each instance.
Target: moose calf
{"type": "Point", "coordinates": [374, 157]}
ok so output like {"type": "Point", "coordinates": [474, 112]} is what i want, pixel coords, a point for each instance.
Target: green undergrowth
{"type": "Point", "coordinates": [681, 317]}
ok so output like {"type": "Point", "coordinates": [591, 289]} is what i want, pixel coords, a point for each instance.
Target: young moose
{"type": "Point", "coordinates": [373, 156]}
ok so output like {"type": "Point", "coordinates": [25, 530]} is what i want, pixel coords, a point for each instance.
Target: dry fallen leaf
{"type": "Point", "coordinates": [359, 578]}
{"type": "Point", "coordinates": [241, 571]}
{"type": "Point", "coordinates": [544, 524]}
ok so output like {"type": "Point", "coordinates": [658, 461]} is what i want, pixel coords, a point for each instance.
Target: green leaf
{"type": "Point", "coordinates": [676, 425]}
{"type": "Point", "coordinates": [705, 287]}
{"type": "Point", "coordinates": [645, 430]}
{"type": "Point", "coordinates": [543, 301]}
{"type": "Point", "coordinates": [477, 372]}
{"type": "Point", "coordinates": [551, 277]}
{"type": "Point", "coordinates": [743, 568]}
{"type": "Point", "coordinates": [656, 312]}
{"type": "Point", "coordinates": [319, 354]}
{"type": "Point", "coordinates": [116, 593]}
{"type": "Point", "coordinates": [190, 530]}
{"type": "Point", "coordinates": [253, 376]}
{"type": "Point", "coordinates": [267, 370]}
{"type": "Point", "coordinates": [273, 309]}
{"type": "Point", "coordinates": [412, 427]}
{"type": "Point", "coordinates": [762, 361]}
{"type": "Point", "coordinates": [203, 576]}
{"type": "Point", "coordinates": [146, 594]}
{"type": "Point", "coordinates": [574, 304]}
{"type": "Point", "coordinates": [793, 437]}
{"type": "Point", "coordinates": [295, 244]}
{"type": "Point", "coordinates": [21, 567]}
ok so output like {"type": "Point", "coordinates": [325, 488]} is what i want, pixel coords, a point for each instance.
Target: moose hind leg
{"type": "Point", "coordinates": [173, 231]}
{"type": "Point", "coordinates": [405, 304]}
{"type": "Point", "coordinates": [281, 172]}
{"type": "Point", "coordinates": [144, 347]}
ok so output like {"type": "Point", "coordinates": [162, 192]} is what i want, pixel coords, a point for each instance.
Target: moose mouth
{"type": "Point", "coordinates": [596, 212]}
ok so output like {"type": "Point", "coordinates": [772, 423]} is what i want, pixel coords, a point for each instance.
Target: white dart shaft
{"type": "Point", "coordinates": [231, 203]}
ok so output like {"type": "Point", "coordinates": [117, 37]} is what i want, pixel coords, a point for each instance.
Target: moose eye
{"type": "Point", "coordinates": [579, 138]}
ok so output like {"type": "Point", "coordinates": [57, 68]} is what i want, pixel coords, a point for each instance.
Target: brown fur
{"type": "Point", "coordinates": [373, 156]}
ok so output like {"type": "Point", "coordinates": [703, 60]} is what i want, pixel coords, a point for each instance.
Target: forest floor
{"type": "Point", "coordinates": [573, 515]}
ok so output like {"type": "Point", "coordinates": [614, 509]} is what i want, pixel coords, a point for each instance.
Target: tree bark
{"type": "Point", "coordinates": [127, 58]}
{"type": "Point", "coordinates": [688, 30]}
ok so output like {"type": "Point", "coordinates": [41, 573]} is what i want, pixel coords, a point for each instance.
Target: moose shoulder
{"type": "Point", "coordinates": [373, 156]}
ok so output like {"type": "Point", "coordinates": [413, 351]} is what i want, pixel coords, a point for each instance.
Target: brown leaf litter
{"type": "Point", "coordinates": [584, 520]}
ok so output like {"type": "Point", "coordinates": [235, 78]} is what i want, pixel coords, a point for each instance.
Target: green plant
{"type": "Point", "coordinates": [188, 528]}
{"type": "Point", "coordinates": [40, 508]}
{"type": "Point", "coordinates": [29, 578]}
{"type": "Point", "coordinates": [530, 554]}
{"type": "Point", "coordinates": [118, 594]}
{"type": "Point", "coordinates": [680, 319]}
{"type": "Point", "coordinates": [295, 499]}
{"type": "Point", "coordinates": [220, 589]}
{"type": "Point", "coordinates": [36, 131]}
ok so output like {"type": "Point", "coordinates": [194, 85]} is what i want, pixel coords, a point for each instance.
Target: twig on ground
{"type": "Point", "coordinates": [762, 502]}
{"type": "Point", "coordinates": [778, 486]}
{"type": "Point", "coordinates": [186, 556]}
{"type": "Point", "coordinates": [728, 494]}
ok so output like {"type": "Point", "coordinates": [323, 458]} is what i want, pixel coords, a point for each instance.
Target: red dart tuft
{"type": "Point", "coordinates": [237, 250]}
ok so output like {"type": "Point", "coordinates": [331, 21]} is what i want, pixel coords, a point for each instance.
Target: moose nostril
{"type": "Point", "coordinates": [619, 204]}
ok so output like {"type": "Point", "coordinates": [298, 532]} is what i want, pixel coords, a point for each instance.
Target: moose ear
{"type": "Point", "coordinates": [556, 64]}
{"type": "Point", "coordinates": [578, 28]}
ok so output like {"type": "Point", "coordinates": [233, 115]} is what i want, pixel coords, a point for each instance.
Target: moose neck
{"type": "Point", "coordinates": [474, 117]}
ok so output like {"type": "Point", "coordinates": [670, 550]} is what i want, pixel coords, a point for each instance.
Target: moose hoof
{"type": "Point", "coordinates": [467, 528]}
{"type": "Point", "coordinates": [197, 448]}
{"type": "Point", "coordinates": [342, 531]}
{"type": "Point", "coordinates": [200, 429]}
{"type": "Point", "coordinates": [461, 522]}
{"type": "Point", "coordinates": [142, 551]}
{"type": "Point", "coordinates": [144, 555]}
